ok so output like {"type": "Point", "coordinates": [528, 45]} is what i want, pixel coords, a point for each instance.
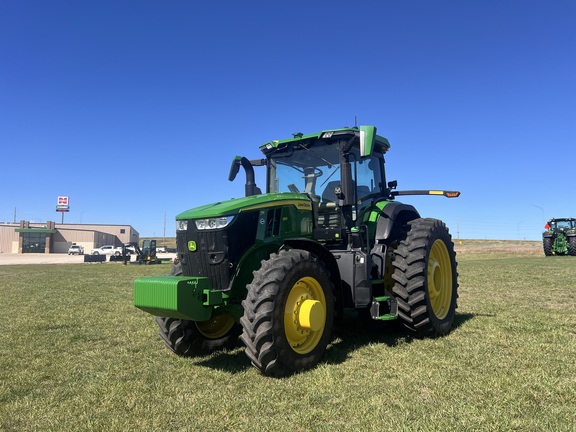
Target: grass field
{"type": "Point", "coordinates": [75, 355]}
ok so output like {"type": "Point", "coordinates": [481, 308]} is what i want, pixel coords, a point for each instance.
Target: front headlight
{"type": "Point", "coordinates": [213, 223]}
{"type": "Point", "coordinates": [181, 225]}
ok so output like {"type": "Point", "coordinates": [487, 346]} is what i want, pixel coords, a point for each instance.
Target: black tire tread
{"type": "Point", "coordinates": [572, 245]}
{"type": "Point", "coordinates": [410, 263]}
{"type": "Point", "coordinates": [547, 245]}
{"type": "Point", "coordinates": [264, 346]}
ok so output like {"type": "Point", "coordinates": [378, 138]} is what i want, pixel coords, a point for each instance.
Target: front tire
{"type": "Point", "coordinates": [189, 338]}
{"type": "Point", "coordinates": [192, 338]}
{"type": "Point", "coordinates": [288, 313]}
{"type": "Point", "coordinates": [425, 276]}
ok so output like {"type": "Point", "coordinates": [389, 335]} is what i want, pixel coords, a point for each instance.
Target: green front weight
{"type": "Point", "coordinates": [188, 298]}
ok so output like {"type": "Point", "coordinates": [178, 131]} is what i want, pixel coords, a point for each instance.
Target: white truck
{"type": "Point", "coordinates": [107, 250]}
{"type": "Point", "coordinates": [75, 249]}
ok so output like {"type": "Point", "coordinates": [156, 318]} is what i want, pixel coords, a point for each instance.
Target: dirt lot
{"type": "Point", "coordinates": [13, 259]}
{"type": "Point", "coordinates": [462, 247]}
{"type": "Point", "coordinates": [498, 246]}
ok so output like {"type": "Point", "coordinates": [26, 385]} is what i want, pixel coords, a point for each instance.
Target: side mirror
{"type": "Point", "coordinates": [393, 184]}
{"type": "Point", "coordinates": [367, 138]}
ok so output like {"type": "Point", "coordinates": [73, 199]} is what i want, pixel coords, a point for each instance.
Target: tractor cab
{"type": "Point", "coordinates": [341, 171]}
{"type": "Point", "coordinates": [334, 168]}
{"type": "Point", "coordinates": [566, 224]}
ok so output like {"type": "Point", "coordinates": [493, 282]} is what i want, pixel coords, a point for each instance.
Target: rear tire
{"type": "Point", "coordinates": [189, 338]}
{"type": "Point", "coordinates": [425, 276]}
{"type": "Point", "coordinates": [547, 244]}
{"type": "Point", "coordinates": [572, 246]}
{"type": "Point", "coordinates": [288, 313]}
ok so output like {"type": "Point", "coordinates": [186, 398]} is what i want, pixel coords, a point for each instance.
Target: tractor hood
{"type": "Point", "coordinates": [238, 205]}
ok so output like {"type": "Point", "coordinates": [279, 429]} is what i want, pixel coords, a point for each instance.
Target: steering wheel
{"type": "Point", "coordinates": [309, 172]}
{"type": "Point", "coordinates": [316, 172]}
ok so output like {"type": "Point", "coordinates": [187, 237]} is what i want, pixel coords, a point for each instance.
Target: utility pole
{"type": "Point", "coordinates": [14, 214]}
{"type": "Point", "coordinates": [164, 244]}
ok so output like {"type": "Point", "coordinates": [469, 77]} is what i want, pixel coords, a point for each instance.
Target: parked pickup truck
{"type": "Point", "coordinates": [107, 250]}
{"type": "Point", "coordinates": [75, 249]}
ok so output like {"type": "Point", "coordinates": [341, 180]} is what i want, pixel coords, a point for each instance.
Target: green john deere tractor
{"type": "Point", "coordinates": [560, 237]}
{"type": "Point", "coordinates": [278, 268]}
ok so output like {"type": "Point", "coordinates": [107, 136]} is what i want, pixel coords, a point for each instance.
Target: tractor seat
{"type": "Point", "coordinates": [329, 194]}
{"type": "Point", "coordinates": [329, 215]}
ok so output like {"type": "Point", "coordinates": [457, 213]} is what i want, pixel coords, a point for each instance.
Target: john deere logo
{"type": "Point", "coordinates": [192, 246]}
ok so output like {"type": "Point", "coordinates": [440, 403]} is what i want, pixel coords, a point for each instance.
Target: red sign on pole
{"type": "Point", "coordinates": [63, 205]}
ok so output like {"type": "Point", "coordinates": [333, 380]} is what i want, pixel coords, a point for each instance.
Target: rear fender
{"type": "Point", "coordinates": [394, 216]}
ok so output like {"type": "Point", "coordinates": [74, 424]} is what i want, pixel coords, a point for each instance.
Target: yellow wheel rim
{"type": "Point", "coordinates": [440, 279]}
{"type": "Point", "coordinates": [216, 327]}
{"type": "Point", "coordinates": [305, 315]}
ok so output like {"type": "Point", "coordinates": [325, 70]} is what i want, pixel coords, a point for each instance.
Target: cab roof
{"type": "Point", "coordinates": [382, 145]}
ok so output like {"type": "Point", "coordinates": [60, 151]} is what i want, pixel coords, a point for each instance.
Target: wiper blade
{"type": "Point", "coordinates": [317, 155]}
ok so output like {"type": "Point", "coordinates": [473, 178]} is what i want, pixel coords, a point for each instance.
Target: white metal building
{"type": "Point", "coordinates": [51, 237]}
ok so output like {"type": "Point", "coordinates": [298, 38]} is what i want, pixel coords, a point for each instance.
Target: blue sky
{"type": "Point", "coordinates": [134, 109]}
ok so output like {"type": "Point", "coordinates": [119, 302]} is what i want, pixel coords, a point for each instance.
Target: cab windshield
{"type": "Point", "coordinates": [562, 225]}
{"type": "Point", "coordinates": [314, 168]}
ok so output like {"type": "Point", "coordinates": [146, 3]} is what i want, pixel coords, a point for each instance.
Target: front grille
{"type": "Point", "coordinates": [210, 258]}
{"type": "Point", "coordinates": [217, 251]}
